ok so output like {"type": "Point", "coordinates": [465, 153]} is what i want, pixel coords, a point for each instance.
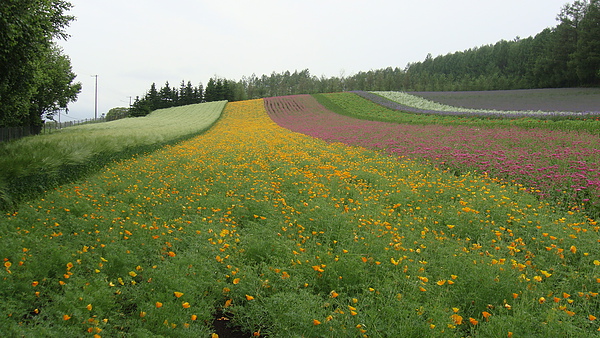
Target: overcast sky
{"type": "Point", "coordinates": [130, 44]}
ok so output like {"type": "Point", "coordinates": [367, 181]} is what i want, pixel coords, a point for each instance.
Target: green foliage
{"type": "Point", "coordinates": [31, 165]}
{"type": "Point", "coordinates": [117, 113]}
{"type": "Point", "coordinates": [35, 78]}
{"type": "Point", "coordinates": [166, 97]}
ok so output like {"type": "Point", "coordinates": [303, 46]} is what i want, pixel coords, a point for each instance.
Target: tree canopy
{"type": "Point", "coordinates": [36, 79]}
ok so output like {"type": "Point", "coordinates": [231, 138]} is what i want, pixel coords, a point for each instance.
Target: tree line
{"type": "Point", "coordinates": [567, 55]}
{"type": "Point", "coordinates": [36, 79]}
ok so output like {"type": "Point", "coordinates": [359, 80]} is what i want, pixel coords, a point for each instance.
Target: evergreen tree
{"type": "Point", "coordinates": [586, 58]}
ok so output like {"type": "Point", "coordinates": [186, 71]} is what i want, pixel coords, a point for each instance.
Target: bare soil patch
{"type": "Point", "coordinates": [551, 99]}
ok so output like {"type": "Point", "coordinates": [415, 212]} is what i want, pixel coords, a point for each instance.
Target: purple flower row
{"type": "Point", "coordinates": [385, 102]}
{"type": "Point", "coordinates": [564, 165]}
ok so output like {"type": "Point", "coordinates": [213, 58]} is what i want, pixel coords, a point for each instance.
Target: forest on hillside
{"type": "Point", "coordinates": [567, 55]}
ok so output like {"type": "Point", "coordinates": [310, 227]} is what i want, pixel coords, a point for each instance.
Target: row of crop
{"type": "Point", "coordinates": [33, 164]}
{"type": "Point", "coordinates": [562, 166]}
{"type": "Point", "coordinates": [415, 104]}
{"type": "Point", "coordinates": [406, 112]}
{"type": "Point", "coordinates": [287, 235]}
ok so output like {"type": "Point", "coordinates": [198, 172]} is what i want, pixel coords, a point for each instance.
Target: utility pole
{"type": "Point", "coordinates": [96, 99]}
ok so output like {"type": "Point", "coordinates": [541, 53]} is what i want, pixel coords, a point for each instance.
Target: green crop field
{"type": "Point", "coordinates": [286, 219]}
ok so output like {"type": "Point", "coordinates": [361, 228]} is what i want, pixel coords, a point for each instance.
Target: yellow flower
{"type": "Point", "coordinates": [185, 305]}
{"type": "Point", "coordinates": [248, 297]}
{"type": "Point", "coordinates": [178, 294]}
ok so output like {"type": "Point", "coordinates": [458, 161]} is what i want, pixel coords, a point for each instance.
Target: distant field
{"type": "Point", "coordinates": [561, 99]}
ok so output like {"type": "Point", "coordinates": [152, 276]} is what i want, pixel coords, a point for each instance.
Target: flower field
{"type": "Point", "coordinates": [558, 165]}
{"type": "Point", "coordinates": [548, 99]}
{"type": "Point", "coordinates": [44, 159]}
{"type": "Point", "coordinates": [285, 235]}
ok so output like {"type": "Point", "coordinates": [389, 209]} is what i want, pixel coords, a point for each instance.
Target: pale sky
{"type": "Point", "coordinates": [130, 44]}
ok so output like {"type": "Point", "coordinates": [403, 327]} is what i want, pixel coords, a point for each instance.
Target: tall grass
{"type": "Point", "coordinates": [33, 164]}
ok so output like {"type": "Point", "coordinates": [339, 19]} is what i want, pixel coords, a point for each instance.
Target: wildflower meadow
{"type": "Point", "coordinates": [280, 234]}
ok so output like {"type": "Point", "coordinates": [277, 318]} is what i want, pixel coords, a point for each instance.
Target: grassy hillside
{"type": "Point", "coordinates": [286, 235]}
{"type": "Point", "coordinates": [34, 164]}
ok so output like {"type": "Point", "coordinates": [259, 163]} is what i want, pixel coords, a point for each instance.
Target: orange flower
{"type": "Point", "coordinates": [178, 294]}
{"type": "Point", "coordinates": [473, 321]}
{"type": "Point", "coordinates": [66, 317]}
{"type": "Point", "coordinates": [486, 315]}
{"type": "Point", "coordinates": [236, 281]}
{"type": "Point", "coordinates": [194, 317]}
{"type": "Point", "coordinates": [185, 305]}
{"type": "Point", "coordinates": [591, 317]}
{"type": "Point", "coordinates": [159, 304]}
{"type": "Point", "coordinates": [457, 319]}
{"type": "Point", "coordinates": [334, 294]}
{"type": "Point", "coordinates": [248, 297]}
{"type": "Point", "coordinates": [316, 322]}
